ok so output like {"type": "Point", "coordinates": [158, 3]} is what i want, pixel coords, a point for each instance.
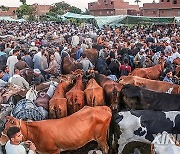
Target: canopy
{"type": "Point", "coordinates": [143, 19]}
{"type": "Point", "coordinates": [77, 16]}
{"type": "Point", "coordinates": [109, 20]}
{"type": "Point", "coordinates": [121, 19]}
{"type": "Point", "coordinates": [6, 18]}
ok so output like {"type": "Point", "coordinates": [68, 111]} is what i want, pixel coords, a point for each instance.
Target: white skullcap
{"type": "Point", "coordinates": [33, 44]}
{"type": "Point", "coordinates": [37, 71]}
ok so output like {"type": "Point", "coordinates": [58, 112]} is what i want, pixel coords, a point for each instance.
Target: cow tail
{"type": "Point", "coordinates": [93, 101]}
{"type": "Point", "coordinates": [115, 95]}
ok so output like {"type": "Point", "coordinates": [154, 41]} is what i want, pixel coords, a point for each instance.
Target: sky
{"type": "Point", "coordinates": [82, 4]}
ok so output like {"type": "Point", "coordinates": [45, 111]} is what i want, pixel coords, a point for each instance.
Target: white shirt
{"type": "Point", "coordinates": [11, 61]}
{"type": "Point", "coordinates": [2, 83]}
{"type": "Point", "coordinates": [174, 56]}
{"type": "Point", "coordinates": [75, 40]}
{"type": "Point", "coordinates": [16, 149]}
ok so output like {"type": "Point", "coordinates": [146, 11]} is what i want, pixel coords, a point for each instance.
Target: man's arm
{"type": "Point", "coordinates": [25, 83]}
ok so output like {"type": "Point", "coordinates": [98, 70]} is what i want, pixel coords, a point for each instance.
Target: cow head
{"type": "Point", "coordinates": [11, 121]}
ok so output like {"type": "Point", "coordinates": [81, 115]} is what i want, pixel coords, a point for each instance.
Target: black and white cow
{"type": "Point", "coordinates": [142, 125]}
{"type": "Point", "coordinates": [138, 98]}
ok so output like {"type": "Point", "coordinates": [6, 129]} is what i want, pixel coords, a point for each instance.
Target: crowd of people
{"type": "Point", "coordinates": [42, 47]}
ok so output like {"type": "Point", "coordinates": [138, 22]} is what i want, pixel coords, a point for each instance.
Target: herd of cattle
{"type": "Point", "coordinates": [139, 107]}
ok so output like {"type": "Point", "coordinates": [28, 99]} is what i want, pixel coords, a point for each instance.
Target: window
{"type": "Point", "coordinates": [168, 13]}
{"type": "Point", "coordinates": [168, 0]}
{"type": "Point", "coordinates": [107, 12]}
{"type": "Point", "coordinates": [175, 2]}
{"type": "Point", "coordinates": [162, 0]}
{"type": "Point", "coordinates": [112, 12]}
{"type": "Point", "coordinates": [178, 12]}
{"type": "Point", "coordinates": [111, 3]}
{"type": "Point", "coordinates": [100, 13]}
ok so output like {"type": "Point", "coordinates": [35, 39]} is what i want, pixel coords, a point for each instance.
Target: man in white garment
{"type": "Point", "coordinates": [19, 80]}
{"type": "Point", "coordinates": [75, 40]}
{"type": "Point", "coordinates": [11, 61]}
{"type": "Point", "coordinates": [15, 145]}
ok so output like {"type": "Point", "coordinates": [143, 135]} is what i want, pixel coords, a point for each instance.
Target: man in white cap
{"type": "Point", "coordinates": [139, 58]}
{"type": "Point", "coordinates": [33, 48]}
{"type": "Point", "coordinates": [37, 77]}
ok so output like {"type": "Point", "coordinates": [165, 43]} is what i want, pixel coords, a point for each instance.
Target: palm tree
{"type": "Point", "coordinates": [4, 8]}
{"type": "Point", "coordinates": [137, 1]}
{"type": "Point", "coordinates": [23, 1]}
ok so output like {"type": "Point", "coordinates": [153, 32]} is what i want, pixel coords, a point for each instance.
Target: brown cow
{"type": "Point", "coordinates": [92, 55]}
{"type": "Point", "coordinates": [69, 133]}
{"type": "Point", "coordinates": [94, 94]}
{"type": "Point", "coordinates": [70, 65]}
{"type": "Point", "coordinates": [75, 97]}
{"type": "Point", "coordinates": [158, 86]}
{"type": "Point", "coordinates": [152, 73]}
{"type": "Point", "coordinates": [58, 103]}
{"type": "Point", "coordinates": [111, 89]}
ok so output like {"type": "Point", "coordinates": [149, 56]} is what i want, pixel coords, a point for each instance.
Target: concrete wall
{"type": "Point", "coordinates": [162, 9]}
{"type": "Point", "coordinates": [108, 7]}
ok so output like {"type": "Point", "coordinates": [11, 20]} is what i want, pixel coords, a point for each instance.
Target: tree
{"type": "Point", "coordinates": [23, 1]}
{"type": "Point", "coordinates": [4, 8]}
{"type": "Point", "coordinates": [137, 1]}
{"type": "Point", "coordinates": [25, 10]}
{"type": "Point", "coordinates": [62, 8]}
{"type": "Point", "coordinates": [86, 12]}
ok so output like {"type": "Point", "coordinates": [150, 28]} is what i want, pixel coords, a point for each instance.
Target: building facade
{"type": "Point", "coordinates": [9, 13]}
{"type": "Point", "coordinates": [111, 7]}
{"type": "Point", "coordinates": [39, 9]}
{"type": "Point", "coordinates": [165, 8]}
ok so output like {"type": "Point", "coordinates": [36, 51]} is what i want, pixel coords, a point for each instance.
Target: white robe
{"type": "Point", "coordinates": [11, 61]}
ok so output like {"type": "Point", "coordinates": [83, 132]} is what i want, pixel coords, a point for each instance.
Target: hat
{"type": "Point", "coordinates": [168, 41]}
{"type": "Point", "coordinates": [37, 71]}
{"type": "Point", "coordinates": [65, 48]}
{"type": "Point", "coordinates": [33, 44]}
{"type": "Point", "coordinates": [142, 50]}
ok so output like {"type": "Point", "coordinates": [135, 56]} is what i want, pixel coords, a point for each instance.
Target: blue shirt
{"type": "Point", "coordinates": [78, 53]}
{"type": "Point", "coordinates": [167, 79]}
{"type": "Point", "coordinates": [6, 77]}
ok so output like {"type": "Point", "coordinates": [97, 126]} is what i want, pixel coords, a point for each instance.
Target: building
{"type": "Point", "coordinates": [9, 13]}
{"type": "Point", "coordinates": [40, 10]}
{"type": "Point", "coordinates": [165, 8]}
{"type": "Point", "coordinates": [110, 7]}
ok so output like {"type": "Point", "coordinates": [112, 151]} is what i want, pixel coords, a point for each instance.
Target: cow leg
{"type": "Point", "coordinates": [122, 143]}
{"type": "Point", "coordinates": [102, 140]}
